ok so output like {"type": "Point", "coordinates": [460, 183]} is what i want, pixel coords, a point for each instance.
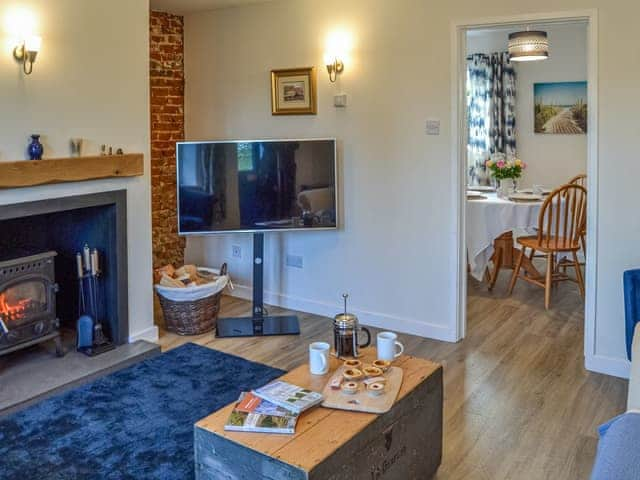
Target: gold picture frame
{"type": "Point", "coordinates": [293, 91]}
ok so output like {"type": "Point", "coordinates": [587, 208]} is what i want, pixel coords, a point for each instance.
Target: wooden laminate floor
{"type": "Point", "coordinates": [518, 401]}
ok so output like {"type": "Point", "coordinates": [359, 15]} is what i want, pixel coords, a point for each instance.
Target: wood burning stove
{"type": "Point", "coordinates": [28, 302]}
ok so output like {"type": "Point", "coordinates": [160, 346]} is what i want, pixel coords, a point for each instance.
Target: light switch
{"type": "Point", "coordinates": [340, 100]}
{"type": "Point", "coordinates": [433, 126]}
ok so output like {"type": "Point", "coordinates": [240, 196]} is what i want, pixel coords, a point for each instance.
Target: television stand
{"type": "Point", "coordinates": [258, 324]}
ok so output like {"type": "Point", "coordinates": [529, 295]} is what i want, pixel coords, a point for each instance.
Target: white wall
{"type": "Point", "coordinates": [396, 252]}
{"type": "Point", "coordinates": [551, 159]}
{"type": "Point", "coordinates": [91, 81]}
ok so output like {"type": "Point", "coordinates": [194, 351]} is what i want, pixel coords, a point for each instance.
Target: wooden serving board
{"type": "Point", "coordinates": [361, 401]}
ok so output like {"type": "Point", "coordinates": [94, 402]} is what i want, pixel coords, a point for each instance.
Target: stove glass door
{"type": "Point", "coordinates": [22, 302]}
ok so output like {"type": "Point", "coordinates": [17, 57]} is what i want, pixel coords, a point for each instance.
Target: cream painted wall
{"type": "Point", "coordinates": [395, 252]}
{"type": "Point", "coordinates": [91, 81]}
{"type": "Point", "coordinates": [378, 254]}
{"type": "Point", "coordinates": [551, 159]}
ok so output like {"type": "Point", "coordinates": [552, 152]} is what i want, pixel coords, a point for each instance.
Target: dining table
{"type": "Point", "coordinates": [490, 223]}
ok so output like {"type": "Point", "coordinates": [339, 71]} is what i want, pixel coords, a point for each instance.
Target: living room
{"type": "Point", "coordinates": [516, 401]}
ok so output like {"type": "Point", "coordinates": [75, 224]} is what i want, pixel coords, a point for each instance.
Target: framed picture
{"type": "Point", "coordinates": [560, 108]}
{"type": "Point", "coordinates": [293, 91]}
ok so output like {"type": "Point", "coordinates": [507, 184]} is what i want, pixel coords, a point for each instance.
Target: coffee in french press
{"type": "Point", "coordinates": [345, 333]}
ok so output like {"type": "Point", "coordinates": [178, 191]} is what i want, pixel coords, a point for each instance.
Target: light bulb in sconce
{"type": "Point", "coordinates": [27, 52]}
{"type": "Point", "coordinates": [338, 45]}
{"type": "Point", "coordinates": [33, 44]}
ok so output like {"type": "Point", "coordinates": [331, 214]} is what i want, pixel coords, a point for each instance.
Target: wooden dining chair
{"type": "Point", "coordinates": [579, 180]}
{"type": "Point", "coordinates": [582, 181]}
{"type": "Point", "coordinates": [564, 263]}
{"type": "Point", "coordinates": [561, 220]}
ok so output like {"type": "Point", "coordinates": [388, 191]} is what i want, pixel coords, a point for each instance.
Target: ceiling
{"type": "Point", "coordinates": [182, 7]}
{"type": "Point", "coordinates": [507, 29]}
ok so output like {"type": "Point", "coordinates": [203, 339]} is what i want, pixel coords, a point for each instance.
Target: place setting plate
{"type": "Point", "coordinates": [544, 191]}
{"type": "Point", "coordinates": [475, 195]}
{"type": "Point", "coordinates": [525, 197]}
{"type": "Point", "coordinates": [481, 188]}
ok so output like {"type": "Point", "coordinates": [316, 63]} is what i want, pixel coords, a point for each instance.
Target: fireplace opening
{"type": "Point", "coordinates": [38, 275]}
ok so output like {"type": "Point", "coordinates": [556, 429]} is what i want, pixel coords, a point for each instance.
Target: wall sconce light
{"type": "Point", "coordinates": [27, 52]}
{"type": "Point", "coordinates": [334, 67]}
{"type": "Point", "coordinates": [337, 50]}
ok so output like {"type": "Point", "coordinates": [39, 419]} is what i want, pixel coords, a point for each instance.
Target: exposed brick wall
{"type": "Point", "coordinates": [166, 54]}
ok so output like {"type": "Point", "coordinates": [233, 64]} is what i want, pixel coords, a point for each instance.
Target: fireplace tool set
{"type": "Point", "coordinates": [91, 339]}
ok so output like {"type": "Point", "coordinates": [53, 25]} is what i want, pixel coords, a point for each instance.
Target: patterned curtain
{"type": "Point", "coordinates": [478, 101]}
{"type": "Point", "coordinates": [491, 99]}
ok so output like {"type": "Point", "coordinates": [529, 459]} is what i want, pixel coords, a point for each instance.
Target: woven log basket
{"type": "Point", "coordinates": [192, 317]}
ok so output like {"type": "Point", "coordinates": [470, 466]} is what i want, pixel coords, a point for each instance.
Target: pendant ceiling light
{"type": "Point", "coordinates": [528, 46]}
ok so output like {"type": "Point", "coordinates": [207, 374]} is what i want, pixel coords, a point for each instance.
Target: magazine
{"type": "Point", "coordinates": [291, 397]}
{"type": "Point", "coordinates": [253, 414]}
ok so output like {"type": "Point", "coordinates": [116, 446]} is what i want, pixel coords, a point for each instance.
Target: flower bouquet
{"type": "Point", "coordinates": [505, 170]}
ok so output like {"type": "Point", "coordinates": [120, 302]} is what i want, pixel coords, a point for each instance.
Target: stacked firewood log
{"type": "Point", "coordinates": [185, 276]}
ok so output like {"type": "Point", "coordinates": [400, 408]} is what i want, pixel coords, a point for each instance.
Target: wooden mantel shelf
{"type": "Point", "coordinates": [29, 173]}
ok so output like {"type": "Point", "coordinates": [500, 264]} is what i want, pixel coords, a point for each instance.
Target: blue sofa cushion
{"type": "Point", "coordinates": [618, 455]}
{"type": "Point", "coordinates": [631, 280]}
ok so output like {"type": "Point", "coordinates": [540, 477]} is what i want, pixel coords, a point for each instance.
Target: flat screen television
{"type": "Point", "coordinates": [256, 186]}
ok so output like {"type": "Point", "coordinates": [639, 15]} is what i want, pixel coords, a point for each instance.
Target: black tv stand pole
{"type": "Point", "coordinates": [259, 324]}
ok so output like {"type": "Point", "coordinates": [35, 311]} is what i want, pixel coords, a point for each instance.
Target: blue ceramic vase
{"type": "Point", "coordinates": [35, 148]}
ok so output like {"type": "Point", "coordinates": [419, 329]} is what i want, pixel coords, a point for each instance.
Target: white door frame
{"type": "Point", "coordinates": [458, 155]}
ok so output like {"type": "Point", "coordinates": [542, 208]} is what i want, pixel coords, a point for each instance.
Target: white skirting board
{"type": "Point", "coordinates": [378, 320]}
{"type": "Point", "coordinates": [149, 334]}
{"type": "Point", "coordinates": [617, 367]}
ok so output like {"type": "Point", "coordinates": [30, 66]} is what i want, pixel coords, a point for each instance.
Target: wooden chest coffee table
{"type": "Point", "coordinates": [404, 443]}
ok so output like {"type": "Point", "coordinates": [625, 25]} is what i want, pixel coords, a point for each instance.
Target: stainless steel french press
{"type": "Point", "coordinates": [345, 333]}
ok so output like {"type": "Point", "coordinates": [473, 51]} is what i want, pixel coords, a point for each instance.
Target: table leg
{"type": "Point", "coordinates": [504, 256]}
{"type": "Point", "coordinates": [496, 258]}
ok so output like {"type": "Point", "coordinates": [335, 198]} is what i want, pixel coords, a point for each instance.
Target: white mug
{"type": "Point", "coordinates": [388, 346]}
{"type": "Point", "coordinates": [319, 358]}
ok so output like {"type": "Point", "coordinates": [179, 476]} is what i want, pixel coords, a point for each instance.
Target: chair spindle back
{"type": "Point", "coordinates": [579, 180]}
{"type": "Point", "coordinates": [563, 217]}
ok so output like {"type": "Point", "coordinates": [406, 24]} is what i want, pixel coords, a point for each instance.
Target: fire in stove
{"type": "Point", "coordinates": [22, 300]}
{"type": "Point", "coordinates": [18, 309]}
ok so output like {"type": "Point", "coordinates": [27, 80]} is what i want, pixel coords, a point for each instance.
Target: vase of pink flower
{"type": "Point", "coordinates": [506, 173]}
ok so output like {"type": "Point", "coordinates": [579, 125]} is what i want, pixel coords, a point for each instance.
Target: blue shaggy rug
{"type": "Point", "coordinates": [136, 423]}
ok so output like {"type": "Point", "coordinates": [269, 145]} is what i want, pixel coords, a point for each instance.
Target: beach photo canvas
{"type": "Point", "coordinates": [560, 108]}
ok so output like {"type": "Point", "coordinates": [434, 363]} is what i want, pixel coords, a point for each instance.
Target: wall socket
{"type": "Point", "coordinates": [432, 126]}
{"type": "Point", "coordinates": [340, 100]}
{"type": "Point", "coordinates": [294, 261]}
{"type": "Point", "coordinates": [236, 251]}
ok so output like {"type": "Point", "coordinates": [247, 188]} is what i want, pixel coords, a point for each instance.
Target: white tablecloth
{"type": "Point", "coordinates": [488, 219]}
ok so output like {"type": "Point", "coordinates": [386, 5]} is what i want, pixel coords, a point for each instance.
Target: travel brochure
{"type": "Point", "coordinates": [253, 414]}
{"type": "Point", "coordinates": [273, 408]}
{"type": "Point", "coordinates": [291, 397]}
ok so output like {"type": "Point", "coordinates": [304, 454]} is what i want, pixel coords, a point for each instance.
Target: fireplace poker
{"type": "Point", "coordinates": [85, 322]}
{"type": "Point", "coordinates": [81, 305]}
{"type": "Point", "coordinates": [89, 275]}
{"type": "Point", "coordinates": [93, 281]}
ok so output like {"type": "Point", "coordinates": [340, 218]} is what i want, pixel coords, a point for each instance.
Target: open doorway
{"type": "Point", "coordinates": [539, 116]}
